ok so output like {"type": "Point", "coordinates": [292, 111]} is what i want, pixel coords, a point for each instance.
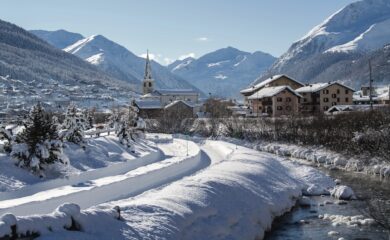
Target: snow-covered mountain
{"type": "Point", "coordinates": [346, 36]}
{"type": "Point", "coordinates": [178, 64]}
{"type": "Point", "coordinates": [224, 71]}
{"type": "Point", "coordinates": [59, 39]}
{"type": "Point", "coordinates": [119, 62]}
{"type": "Point", "coordinates": [27, 58]}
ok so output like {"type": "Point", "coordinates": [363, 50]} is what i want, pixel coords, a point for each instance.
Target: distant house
{"type": "Point", "coordinates": [338, 109]}
{"type": "Point", "coordinates": [320, 97]}
{"type": "Point", "coordinates": [149, 108]}
{"type": "Point", "coordinates": [180, 108]}
{"type": "Point", "coordinates": [274, 101]}
{"type": "Point", "coordinates": [384, 98]}
{"type": "Point", "coordinates": [274, 81]}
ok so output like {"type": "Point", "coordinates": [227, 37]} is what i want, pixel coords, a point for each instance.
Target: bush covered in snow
{"type": "Point", "coordinates": [38, 144]}
{"type": "Point", "coordinates": [354, 133]}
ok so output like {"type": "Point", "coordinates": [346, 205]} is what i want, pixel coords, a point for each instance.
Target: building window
{"type": "Point", "coordinates": [334, 95]}
{"type": "Point", "coordinates": [326, 100]}
{"type": "Point", "coordinates": [279, 99]}
{"type": "Point", "coordinates": [338, 99]}
{"type": "Point", "coordinates": [325, 91]}
{"type": "Point", "coordinates": [150, 84]}
{"type": "Point", "coordinates": [338, 91]}
{"type": "Point", "coordinates": [334, 104]}
{"type": "Point", "coordinates": [259, 107]}
{"type": "Point", "coordinates": [305, 100]}
{"type": "Point", "coordinates": [288, 108]}
{"type": "Point", "coordinates": [326, 108]}
{"type": "Point", "coordinates": [144, 84]}
{"type": "Point", "coordinates": [346, 91]}
{"type": "Point", "coordinates": [347, 99]}
{"type": "Point", "coordinates": [288, 99]}
{"type": "Point", "coordinates": [279, 108]}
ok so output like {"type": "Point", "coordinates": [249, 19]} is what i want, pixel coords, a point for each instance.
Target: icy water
{"type": "Point", "coordinates": [304, 223]}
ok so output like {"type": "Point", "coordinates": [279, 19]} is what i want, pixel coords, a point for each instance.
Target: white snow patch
{"type": "Point", "coordinates": [220, 76]}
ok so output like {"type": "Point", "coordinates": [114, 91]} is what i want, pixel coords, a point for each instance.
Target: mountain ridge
{"type": "Point", "coordinates": [346, 36]}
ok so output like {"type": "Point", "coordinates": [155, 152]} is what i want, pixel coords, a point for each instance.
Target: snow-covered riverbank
{"type": "Point", "coordinates": [235, 195]}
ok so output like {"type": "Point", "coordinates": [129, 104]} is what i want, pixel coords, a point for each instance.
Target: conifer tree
{"type": "Point", "coordinates": [7, 137]}
{"type": "Point", "coordinates": [127, 127]}
{"type": "Point", "coordinates": [74, 125]}
{"type": "Point", "coordinates": [37, 145]}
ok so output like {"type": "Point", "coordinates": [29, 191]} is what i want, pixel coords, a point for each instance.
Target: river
{"type": "Point", "coordinates": [373, 202]}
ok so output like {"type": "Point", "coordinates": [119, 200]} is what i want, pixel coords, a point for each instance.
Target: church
{"type": "Point", "coordinates": [154, 102]}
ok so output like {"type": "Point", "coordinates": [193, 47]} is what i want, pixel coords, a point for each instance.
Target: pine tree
{"type": "Point", "coordinates": [74, 125]}
{"type": "Point", "coordinates": [38, 144]}
{"type": "Point", "coordinates": [114, 121]}
{"type": "Point", "coordinates": [127, 127]}
{"type": "Point", "coordinates": [89, 118]}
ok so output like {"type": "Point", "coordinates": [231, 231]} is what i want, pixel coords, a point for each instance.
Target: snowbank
{"type": "Point", "coordinates": [103, 156]}
{"type": "Point", "coordinates": [237, 197]}
{"type": "Point", "coordinates": [322, 156]}
{"type": "Point", "coordinates": [66, 217]}
{"type": "Point", "coordinates": [111, 187]}
{"type": "Point", "coordinates": [231, 192]}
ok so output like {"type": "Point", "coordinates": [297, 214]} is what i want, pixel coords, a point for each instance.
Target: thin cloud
{"type": "Point", "coordinates": [158, 58]}
{"type": "Point", "coordinates": [203, 39]}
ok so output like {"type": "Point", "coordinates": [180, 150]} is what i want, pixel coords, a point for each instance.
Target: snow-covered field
{"type": "Point", "coordinates": [183, 190]}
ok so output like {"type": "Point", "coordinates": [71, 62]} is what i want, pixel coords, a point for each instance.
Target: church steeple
{"type": "Point", "coordinates": [148, 82]}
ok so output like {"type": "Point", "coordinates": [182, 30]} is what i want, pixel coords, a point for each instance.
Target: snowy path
{"type": "Point", "coordinates": [88, 193]}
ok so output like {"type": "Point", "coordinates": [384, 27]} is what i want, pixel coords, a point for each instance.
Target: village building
{"type": "Point", "coordinates": [274, 101]}
{"type": "Point", "coordinates": [155, 101]}
{"type": "Point", "coordinates": [274, 81]}
{"type": "Point", "coordinates": [180, 108]}
{"type": "Point", "coordinates": [363, 96]}
{"type": "Point", "coordinates": [320, 97]}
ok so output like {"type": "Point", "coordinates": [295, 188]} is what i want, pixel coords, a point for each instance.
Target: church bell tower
{"type": "Point", "coordinates": [148, 82]}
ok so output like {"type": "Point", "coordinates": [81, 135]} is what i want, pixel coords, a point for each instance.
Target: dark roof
{"type": "Point", "coordinates": [176, 92]}
{"type": "Point", "coordinates": [148, 104]}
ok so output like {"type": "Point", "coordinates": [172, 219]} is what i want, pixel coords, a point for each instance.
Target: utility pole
{"type": "Point", "coordinates": [389, 94]}
{"type": "Point", "coordinates": [369, 64]}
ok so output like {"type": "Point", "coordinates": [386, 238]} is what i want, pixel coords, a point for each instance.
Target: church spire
{"type": "Point", "coordinates": [148, 68]}
{"type": "Point", "coordinates": [148, 82]}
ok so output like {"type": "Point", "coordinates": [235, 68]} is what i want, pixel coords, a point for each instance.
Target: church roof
{"type": "Point", "coordinates": [148, 104]}
{"type": "Point", "coordinates": [176, 92]}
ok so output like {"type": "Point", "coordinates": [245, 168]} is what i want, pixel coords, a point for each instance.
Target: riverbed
{"type": "Point", "coordinates": [307, 223]}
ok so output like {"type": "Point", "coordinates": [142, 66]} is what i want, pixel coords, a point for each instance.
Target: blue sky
{"type": "Point", "coordinates": [176, 28]}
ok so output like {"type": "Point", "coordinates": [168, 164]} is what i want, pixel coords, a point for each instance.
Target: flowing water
{"type": "Point", "coordinates": [373, 202]}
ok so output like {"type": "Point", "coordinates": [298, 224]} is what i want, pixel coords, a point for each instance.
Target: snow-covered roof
{"type": "Point", "coordinates": [176, 92]}
{"type": "Point", "coordinates": [359, 107]}
{"type": "Point", "coordinates": [271, 91]}
{"type": "Point", "coordinates": [148, 104]}
{"type": "Point", "coordinates": [191, 105]}
{"type": "Point", "coordinates": [265, 82]}
{"type": "Point", "coordinates": [315, 87]}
